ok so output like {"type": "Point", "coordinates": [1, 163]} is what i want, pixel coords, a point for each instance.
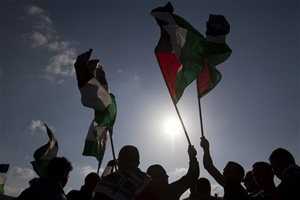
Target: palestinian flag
{"type": "Point", "coordinates": [96, 139]}
{"type": "Point", "coordinates": [92, 82]}
{"type": "Point", "coordinates": [215, 52]}
{"type": "Point", "coordinates": [3, 171]}
{"type": "Point", "coordinates": [108, 116]}
{"type": "Point", "coordinates": [44, 154]}
{"type": "Point", "coordinates": [179, 50]}
{"type": "Point", "coordinates": [95, 142]}
{"type": "Point", "coordinates": [95, 94]}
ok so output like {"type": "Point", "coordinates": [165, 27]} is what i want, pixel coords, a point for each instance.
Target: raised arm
{"type": "Point", "coordinates": [208, 164]}
{"type": "Point", "coordinates": [177, 188]}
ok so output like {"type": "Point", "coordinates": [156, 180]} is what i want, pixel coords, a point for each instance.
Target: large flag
{"type": "Point", "coordinates": [3, 171]}
{"type": "Point", "coordinates": [44, 154]}
{"type": "Point", "coordinates": [184, 54]}
{"type": "Point", "coordinates": [215, 52]}
{"type": "Point", "coordinates": [179, 50]}
{"type": "Point", "coordinates": [95, 94]}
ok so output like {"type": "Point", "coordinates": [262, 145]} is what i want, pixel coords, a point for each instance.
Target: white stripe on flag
{"type": "Point", "coordinates": [93, 95]}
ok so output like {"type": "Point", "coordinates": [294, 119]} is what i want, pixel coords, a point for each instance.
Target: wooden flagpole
{"type": "Point", "coordinates": [177, 111]}
{"type": "Point", "coordinates": [200, 112]}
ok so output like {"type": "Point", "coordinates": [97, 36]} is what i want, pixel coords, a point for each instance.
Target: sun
{"type": "Point", "coordinates": [172, 126]}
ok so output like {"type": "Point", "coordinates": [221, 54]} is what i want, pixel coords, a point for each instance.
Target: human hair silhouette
{"type": "Point", "coordinates": [251, 186]}
{"type": "Point", "coordinates": [51, 186]}
{"type": "Point", "coordinates": [86, 191]}
{"type": "Point", "coordinates": [286, 169]}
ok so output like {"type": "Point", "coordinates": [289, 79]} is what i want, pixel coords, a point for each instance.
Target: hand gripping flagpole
{"type": "Point", "coordinates": [113, 149]}
{"type": "Point", "coordinates": [177, 111]}
{"type": "Point", "coordinates": [200, 112]}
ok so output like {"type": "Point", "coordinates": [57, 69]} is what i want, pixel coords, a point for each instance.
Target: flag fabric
{"type": "Point", "coordinates": [44, 154]}
{"type": "Point", "coordinates": [96, 140]}
{"type": "Point", "coordinates": [179, 50]}
{"type": "Point", "coordinates": [215, 52]}
{"type": "Point", "coordinates": [92, 83]}
{"type": "Point", "coordinates": [95, 94]}
{"type": "Point", "coordinates": [184, 54]}
{"type": "Point", "coordinates": [3, 171]}
{"type": "Point", "coordinates": [108, 116]}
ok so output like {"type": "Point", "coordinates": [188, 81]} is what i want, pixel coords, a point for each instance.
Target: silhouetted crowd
{"type": "Point", "coordinates": [128, 182]}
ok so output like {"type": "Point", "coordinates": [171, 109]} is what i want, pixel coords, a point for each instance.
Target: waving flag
{"type": "Point", "coordinates": [3, 171]}
{"type": "Point", "coordinates": [44, 154]}
{"type": "Point", "coordinates": [96, 139]}
{"type": "Point", "coordinates": [215, 52]}
{"type": "Point", "coordinates": [179, 50]}
{"type": "Point", "coordinates": [92, 83]}
{"type": "Point", "coordinates": [184, 54]}
{"type": "Point", "coordinates": [95, 94]}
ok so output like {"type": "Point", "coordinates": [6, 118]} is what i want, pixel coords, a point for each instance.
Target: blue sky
{"type": "Point", "coordinates": [252, 111]}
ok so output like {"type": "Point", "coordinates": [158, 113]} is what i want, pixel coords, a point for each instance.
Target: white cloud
{"type": "Point", "coordinates": [88, 169]}
{"type": "Point", "coordinates": [44, 37]}
{"type": "Point", "coordinates": [33, 10]}
{"type": "Point", "coordinates": [36, 124]}
{"type": "Point", "coordinates": [18, 172]}
{"type": "Point", "coordinates": [62, 63]}
{"type": "Point", "coordinates": [217, 189]}
{"type": "Point", "coordinates": [180, 171]}
{"type": "Point", "coordinates": [38, 39]}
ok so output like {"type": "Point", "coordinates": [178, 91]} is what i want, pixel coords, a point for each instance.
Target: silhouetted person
{"type": "Point", "coordinates": [251, 186]}
{"type": "Point", "coordinates": [86, 191]}
{"type": "Point", "coordinates": [193, 195]}
{"type": "Point", "coordinates": [51, 187]}
{"type": "Point", "coordinates": [203, 189]}
{"type": "Point", "coordinates": [285, 168]}
{"type": "Point", "coordinates": [174, 190]}
{"type": "Point", "coordinates": [231, 178]}
{"type": "Point", "coordinates": [264, 177]}
{"type": "Point", "coordinates": [128, 182]}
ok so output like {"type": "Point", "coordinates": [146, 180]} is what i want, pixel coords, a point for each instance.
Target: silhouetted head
{"type": "Point", "coordinates": [203, 187]}
{"type": "Point", "coordinates": [128, 157]}
{"type": "Point", "coordinates": [234, 171]}
{"type": "Point", "coordinates": [263, 174]}
{"type": "Point", "coordinates": [91, 180]}
{"type": "Point", "coordinates": [158, 175]}
{"type": "Point", "coordinates": [279, 159]}
{"type": "Point", "coordinates": [59, 169]}
{"type": "Point", "coordinates": [250, 183]}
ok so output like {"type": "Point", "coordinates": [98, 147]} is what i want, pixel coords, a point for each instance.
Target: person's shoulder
{"type": "Point", "coordinates": [73, 194]}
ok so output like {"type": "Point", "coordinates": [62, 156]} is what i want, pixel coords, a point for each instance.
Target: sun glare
{"type": "Point", "coordinates": [172, 126]}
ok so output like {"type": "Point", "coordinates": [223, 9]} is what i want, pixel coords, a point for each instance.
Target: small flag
{"type": "Point", "coordinates": [44, 154]}
{"type": "Point", "coordinates": [179, 50]}
{"type": "Point", "coordinates": [216, 51]}
{"type": "Point", "coordinates": [3, 171]}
